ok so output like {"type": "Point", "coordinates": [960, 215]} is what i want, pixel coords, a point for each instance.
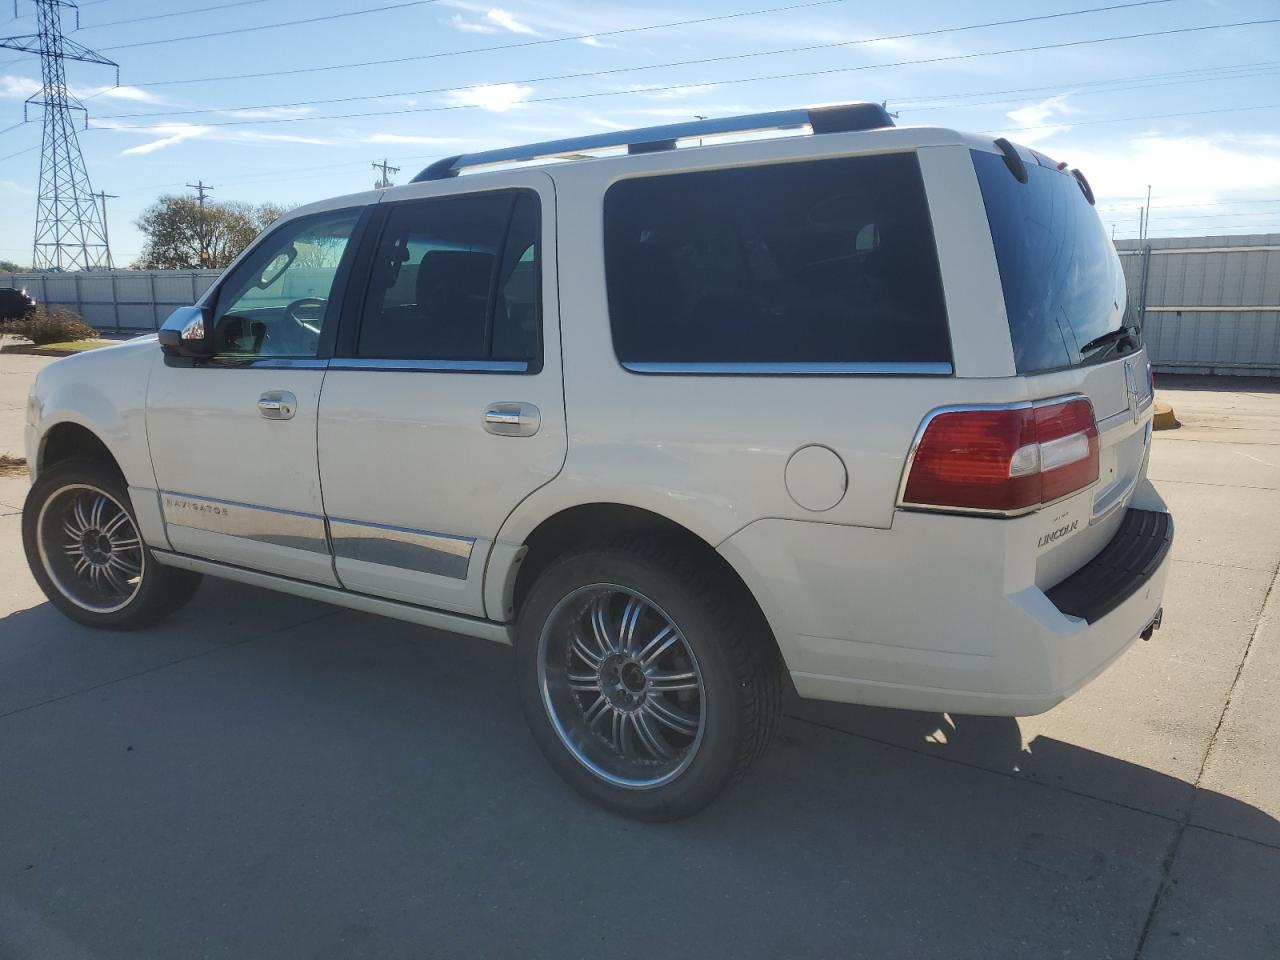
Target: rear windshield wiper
{"type": "Point", "coordinates": [1114, 339]}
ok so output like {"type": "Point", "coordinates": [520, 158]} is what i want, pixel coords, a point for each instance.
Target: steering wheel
{"type": "Point", "coordinates": [307, 313]}
{"type": "Point", "coordinates": [304, 333]}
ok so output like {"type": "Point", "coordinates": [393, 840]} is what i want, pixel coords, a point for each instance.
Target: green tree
{"type": "Point", "coordinates": [8, 266]}
{"type": "Point", "coordinates": [184, 235]}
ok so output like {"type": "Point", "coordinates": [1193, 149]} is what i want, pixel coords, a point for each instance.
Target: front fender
{"type": "Point", "coordinates": [104, 391]}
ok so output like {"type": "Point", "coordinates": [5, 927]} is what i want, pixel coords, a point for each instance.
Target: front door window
{"type": "Point", "coordinates": [277, 300]}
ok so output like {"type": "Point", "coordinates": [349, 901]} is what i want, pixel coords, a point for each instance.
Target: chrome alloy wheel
{"type": "Point", "coordinates": [90, 548]}
{"type": "Point", "coordinates": [621, 686]}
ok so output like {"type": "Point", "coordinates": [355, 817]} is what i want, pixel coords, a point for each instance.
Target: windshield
{"type": "Point", "coordinates": [1063, 285]}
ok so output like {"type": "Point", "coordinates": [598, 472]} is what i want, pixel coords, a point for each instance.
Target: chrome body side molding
{"type": "Point", "coordinates": [283, 528]}
{"type": "Point", "coordinates": [770, 369]}
{"type": "Point", "coordinates": [419, 550]}
{"type": "Point", "coordinates": [452, 622]}
{"type": "Point", "coordinates": [430, 366]}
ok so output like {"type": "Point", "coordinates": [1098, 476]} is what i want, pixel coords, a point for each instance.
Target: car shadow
{"type": "Point", "coordinates": [341, 785]}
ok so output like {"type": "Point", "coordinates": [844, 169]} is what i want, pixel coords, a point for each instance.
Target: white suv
{"type": "Point", "coordinates": [864, 410]}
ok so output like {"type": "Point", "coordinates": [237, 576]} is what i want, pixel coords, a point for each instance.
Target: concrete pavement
{"type": "Point", "coordinates": [262, 776]}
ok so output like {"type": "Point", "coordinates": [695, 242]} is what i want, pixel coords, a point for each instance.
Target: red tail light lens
{"type": "Point", "coordinates": [1003, 460]}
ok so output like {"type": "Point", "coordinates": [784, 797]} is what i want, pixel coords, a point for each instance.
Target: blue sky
{"type": "Point", "coordinates": [1101, 106]}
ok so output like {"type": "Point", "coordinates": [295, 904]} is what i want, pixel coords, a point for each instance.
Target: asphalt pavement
{"type": "Point", "coordinates": [262, 776]}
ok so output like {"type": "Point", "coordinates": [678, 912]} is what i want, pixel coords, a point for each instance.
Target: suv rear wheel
{"type": "Point", "coordinates": [83, 546]}
{"type": "Point", "coordinates": [646, 678]}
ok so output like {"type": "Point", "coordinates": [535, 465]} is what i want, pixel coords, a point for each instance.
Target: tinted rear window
{"type": "Point", "coordinates": [1063, 285]}
{"type": "Point", "coordinates": [825, 262]}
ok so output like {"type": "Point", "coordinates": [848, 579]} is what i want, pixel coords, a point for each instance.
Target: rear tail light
{"type": "Point", "coordinates": [1002, 460]}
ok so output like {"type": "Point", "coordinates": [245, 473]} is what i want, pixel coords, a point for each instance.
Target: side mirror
{"type": "Point", "coordinates": [187, 333]}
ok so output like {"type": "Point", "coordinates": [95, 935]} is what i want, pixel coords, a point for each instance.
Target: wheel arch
{"type": "Point", "coordinates": [601, 523]}
{"type": "Point", "coordinates": [69, 440]}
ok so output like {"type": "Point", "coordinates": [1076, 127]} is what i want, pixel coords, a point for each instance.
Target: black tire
{"type": "Point", "coordinates": [726, 640]}
{"type": "Point", "coordinates": [145, 598]}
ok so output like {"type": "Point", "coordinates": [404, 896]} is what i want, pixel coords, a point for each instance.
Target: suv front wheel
{"type": "Point", "coordinates": [646, 677]}
{"type": "Point", "coordinates": [84, 549]}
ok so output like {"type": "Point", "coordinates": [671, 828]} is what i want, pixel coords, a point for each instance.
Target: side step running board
{"type": "Point", "coordinates": [452, 622]}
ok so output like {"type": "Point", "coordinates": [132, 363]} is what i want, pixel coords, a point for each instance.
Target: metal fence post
{"type": "Point", "coordinates": [115, 301]}
{"type": "Point", "coordinates": [151, 280]}
{"type": "Point", "coordinates": [79, 303]}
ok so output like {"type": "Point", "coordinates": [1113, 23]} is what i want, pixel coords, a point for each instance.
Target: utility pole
{"type": "Point", "coordinates": [1146, 228]}
{"type": "Point", "coordinates": [69, 232]}
{"type": "Point", "coordinates": [384, 181]}
{"type": "Point", "coordinates": [103, 198]}
{"type": "Point", "coordinates": [201, 188]}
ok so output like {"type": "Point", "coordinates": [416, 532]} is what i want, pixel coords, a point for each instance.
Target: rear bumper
{"type": "Point", "coordinates": [943, 614]}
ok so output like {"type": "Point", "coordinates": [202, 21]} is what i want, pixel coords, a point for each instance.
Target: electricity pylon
{"type": "Point", "coordinates": [69, 229]}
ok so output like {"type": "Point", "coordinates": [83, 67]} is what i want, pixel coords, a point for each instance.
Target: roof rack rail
{"type": "Point", "coordinates": [835, 119]}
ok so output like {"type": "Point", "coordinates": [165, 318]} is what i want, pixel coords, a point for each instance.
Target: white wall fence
{"type": "Point", "coordinates": [111, 300]}
{"type": "Point", "coordinates": [1212, 304]}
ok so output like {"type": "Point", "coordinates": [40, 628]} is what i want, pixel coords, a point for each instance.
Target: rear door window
{"type": "Point", "coordinates": [805, 267]}
{"type": "Point", "coordinates": [1064, 289]}
{"type": "Point", "coordinates": [456, 278]}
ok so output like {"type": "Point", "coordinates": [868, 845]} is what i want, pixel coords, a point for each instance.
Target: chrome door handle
{"type": "Point", "coordinates": [512, 419]}
{"type": "Point", "coordinates": [278, 405]}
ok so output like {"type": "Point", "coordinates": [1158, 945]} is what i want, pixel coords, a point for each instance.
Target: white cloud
{"type": "Point", "coordinates": [598, 43]}
{"type": "Point", "coordinates": [15, 88]}
{"type": "Point", "coordinates": [493, 96]}
{"type": "Point", "coordinates": [1034, 122]}
{"type": "Point", "coordinates": [1196, 169]}
{"type": "Point", "coordinates": [494, 20]}
{"type": "Point", "coordinates": [271, 113]}
{"type": "Point", "coordinates": [409, 138]}
{"type": "Point", "coordinates": [154, 145]}
{"type": "Point", "coordinates": [675, 93]}
{"type": "Point", "coordinates": [503, 19]}
{"type": "Point", "coordinates": [175, 133]}
{"type": "Point", "coordinates": [470, 26]}
{"type": "Point", "coordinates": [131, 94]}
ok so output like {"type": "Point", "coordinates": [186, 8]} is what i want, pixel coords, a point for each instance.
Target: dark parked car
{"type": "Point", "coordinates": [14, 303]}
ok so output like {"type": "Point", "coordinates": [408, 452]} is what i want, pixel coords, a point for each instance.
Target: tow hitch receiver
{"type": "Point", "coordinates": [1154, 625]}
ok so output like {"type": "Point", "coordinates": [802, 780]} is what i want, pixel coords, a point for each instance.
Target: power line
{"type": "Point", "coordinates": [521, 44]}
{"type": "Point", "coordinates": [10, 156]}
{"type": "Point", "coordinates": [1178, 231]}
{"type": "Point", "coordinates": [172, 13]}
{"type": "Point", "coordinates": [272, 26]}
{"type": "Point", "coordinates": [1214, 203]}
{"type": "Point", "coordinates": [1217, 216]}
{"type": "Point", "coordinates": [1149, 116]}
{"type": "Point", "coordinates": [753, 79]}
{"type": "Point", "coordinates": [1092, 89]}
{"type": "Point", "coordinates": [898, 102]}
{"type": "Point", "coordinates": [1081, 83]}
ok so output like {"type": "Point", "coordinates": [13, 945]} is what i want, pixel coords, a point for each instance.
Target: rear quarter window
{"type": "Point", "coordinates": [826, 263]}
